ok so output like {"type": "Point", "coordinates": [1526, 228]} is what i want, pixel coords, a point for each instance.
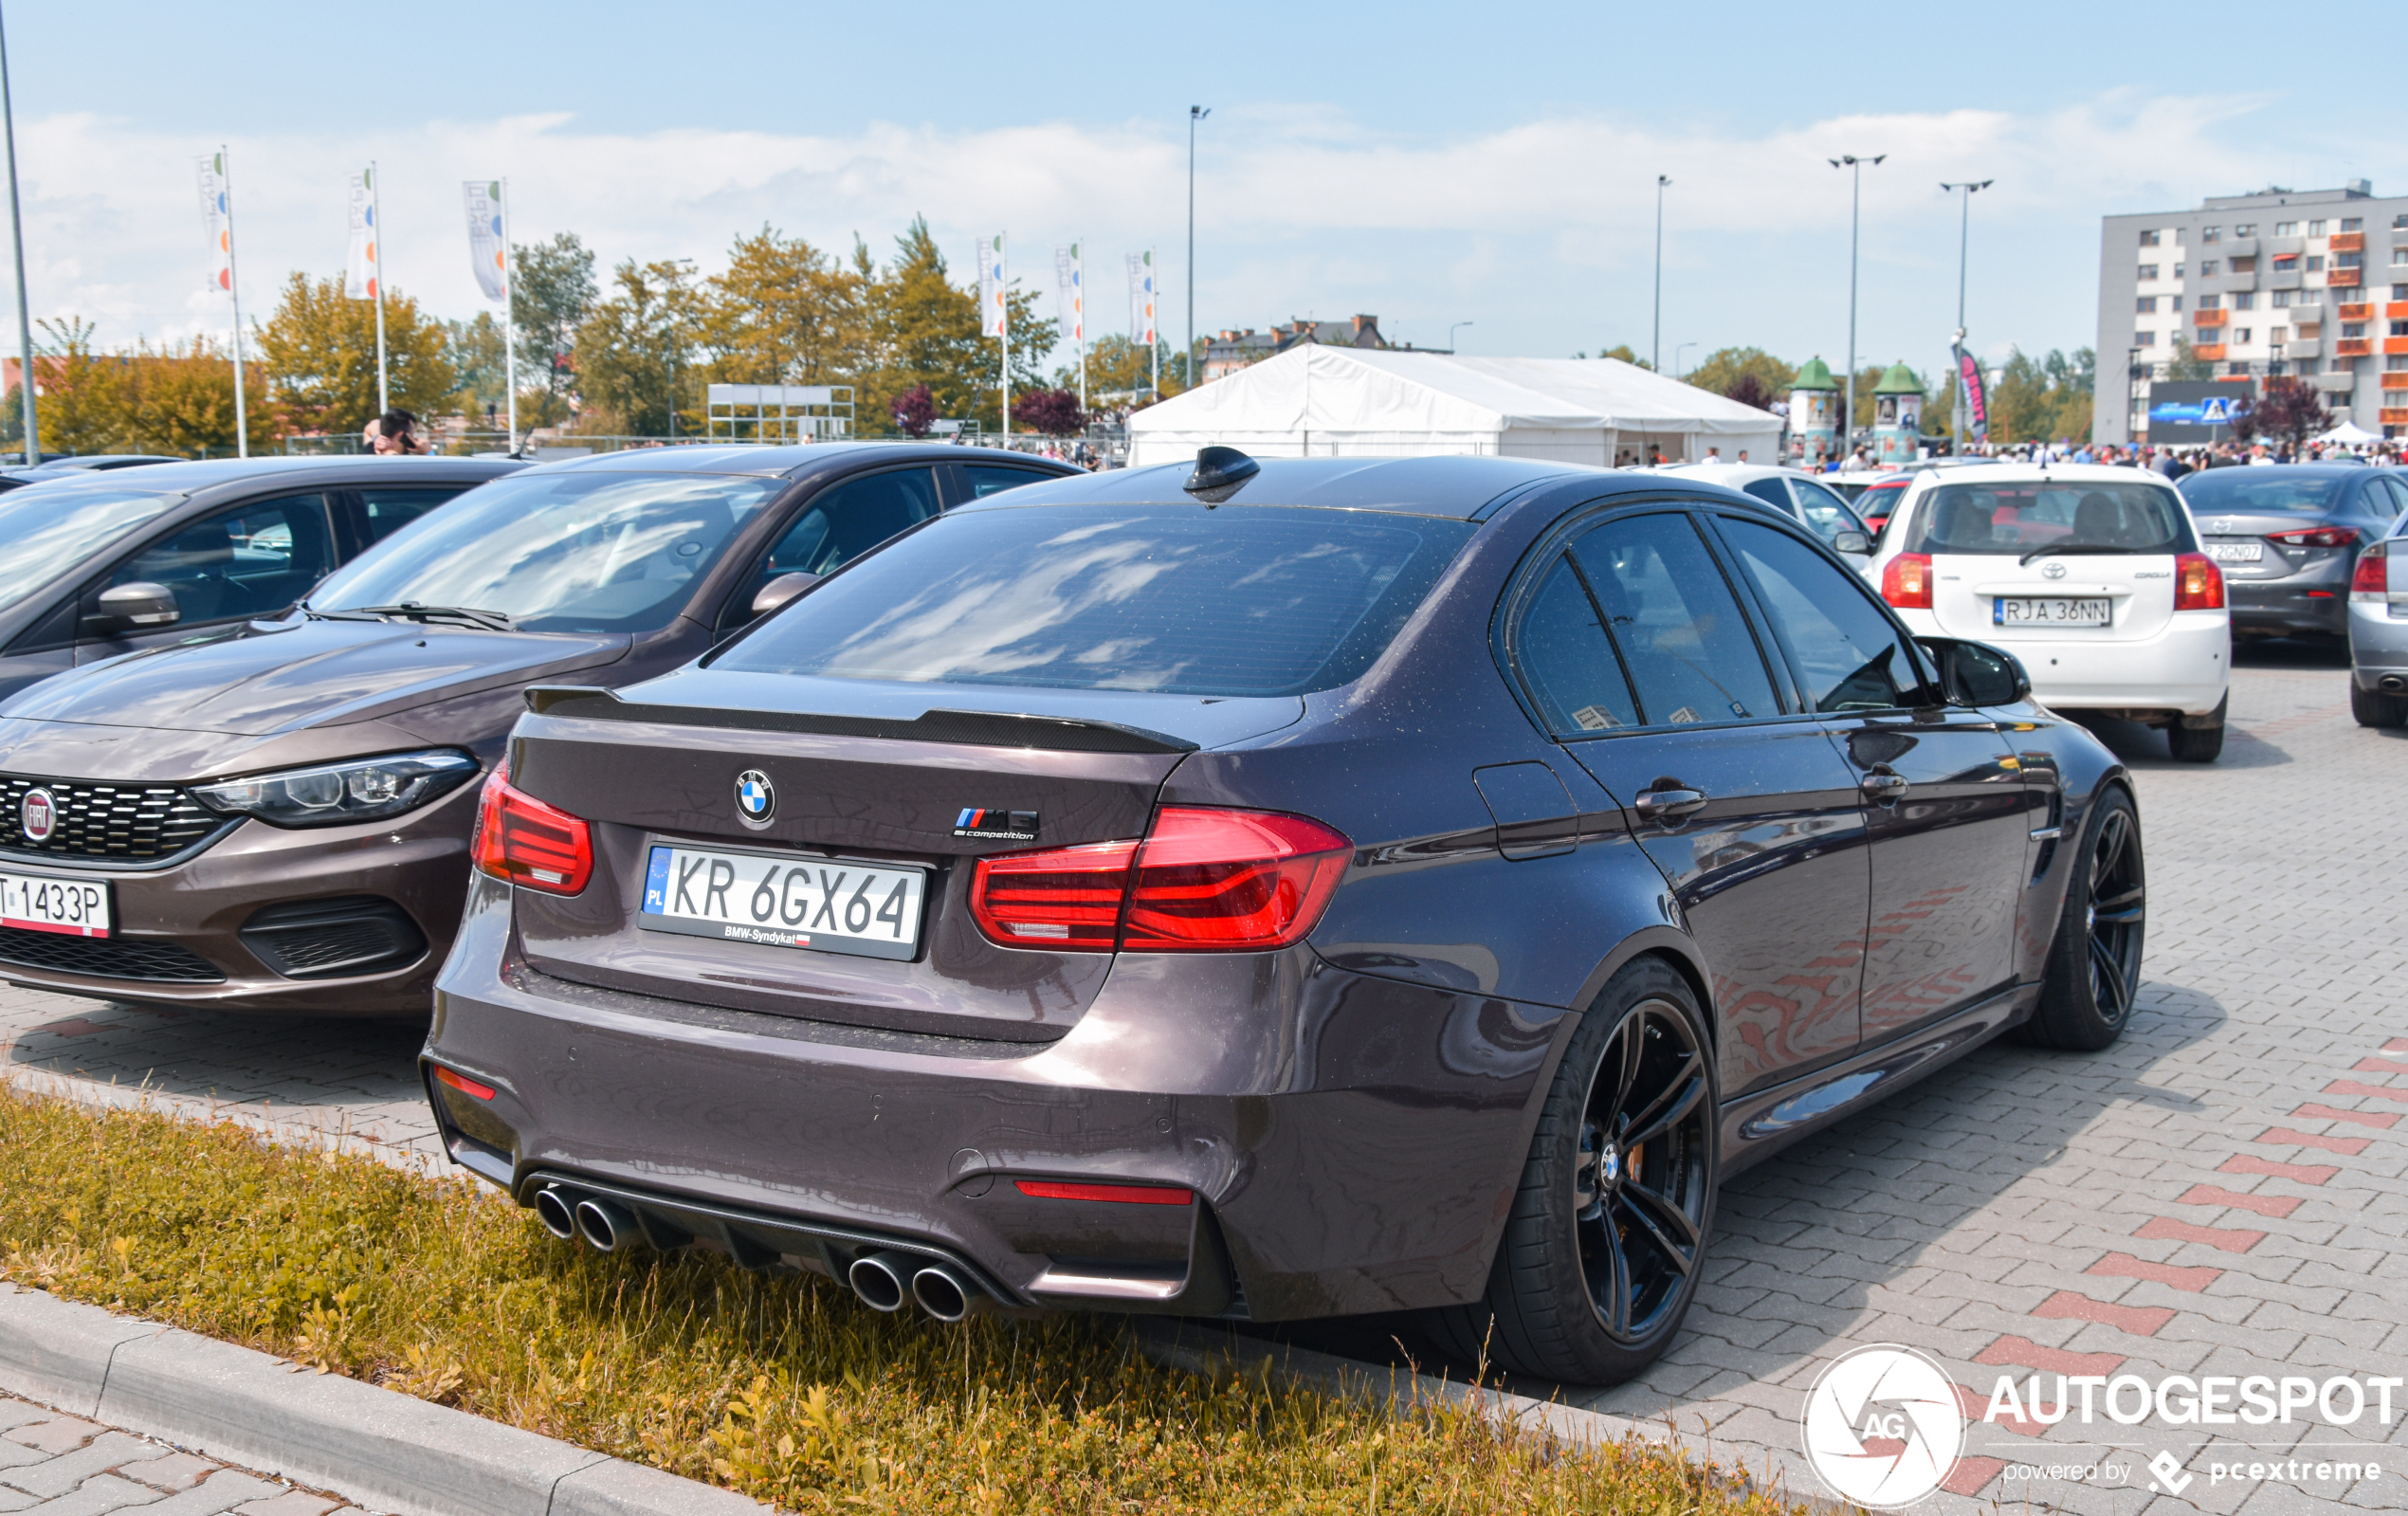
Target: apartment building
{"type": "Point", "coordinates": [2283, 281]}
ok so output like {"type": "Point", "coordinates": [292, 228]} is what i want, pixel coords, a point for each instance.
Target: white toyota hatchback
{"type": "Point", "coordinates": [2092, 576]}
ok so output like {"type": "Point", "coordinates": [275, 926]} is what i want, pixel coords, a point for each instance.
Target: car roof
{"type": "Point", "coordinates": [789, 460]}
{"type": "Point", "coordinates": [192, 475]}
{"type": "Point", "coordinates": [1743, 472]}
{"type": "Point", "coordinates": [2071, 473]}
{"type": "Point", "coordinates": [2321, 470]}
{"type": "Point", "coordinates": [1467, 487]}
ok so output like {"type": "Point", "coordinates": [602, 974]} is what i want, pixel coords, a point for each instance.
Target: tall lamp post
{"type": "Point", "coordinates": [1453, 330]}
{"type": "Point", "coordinates": [1676, 357]}
{"type": "Point", "coordinates": [1655, 343]}
{"type": "Point", "coordinates": [1195, 114]}
{"type": "Point", "coordinates": [1964, 232]}
{"type": "Point", "coordinates": [16, 229]}
{"type": "Point", "coordinates": [1855, 167]}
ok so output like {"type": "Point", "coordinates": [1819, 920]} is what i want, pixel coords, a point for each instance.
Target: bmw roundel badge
{"type": "Point", "coordinates": [755, 800]}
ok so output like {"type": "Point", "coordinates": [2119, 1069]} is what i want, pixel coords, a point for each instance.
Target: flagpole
{"type": "Point", "coordinates": [1003, 324]}
{"type": "Point", "coordinates": [509, 317]}
{"type": "Point", "coordinates": [16, 228]}
{"type": "Point", "coordinates": [376, 262]}
{"type": "Point", "coordinates": [1079, 287]}
{"type": "Point", "coordinates": [1153, 343]}
{"type": "Point", "coordinates": [233, 288]}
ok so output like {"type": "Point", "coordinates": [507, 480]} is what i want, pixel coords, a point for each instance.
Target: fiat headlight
{"type": "Point", "coordinates": [334, 793]}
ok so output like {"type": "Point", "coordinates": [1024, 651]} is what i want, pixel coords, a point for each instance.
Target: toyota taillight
{"type": "Point", "coordinates": [2199, 584]}
{"type": "Point", "coordinates": [1905, 583]}
{"type": "Point", "coordinates": [1201, 880]}
{"type": "Point", "coordinates": [522, 841]}
{"type": "Point", "coordinates": [2316, 537]}
{"type": "Point", "coordinates": [2371, 580]}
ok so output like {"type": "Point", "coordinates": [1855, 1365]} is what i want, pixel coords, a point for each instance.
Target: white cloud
{"type": "Point", "coordinates": [1541, 233]}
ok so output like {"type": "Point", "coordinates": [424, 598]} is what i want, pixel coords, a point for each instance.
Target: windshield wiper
{"type": "Point", "coordinates": [412, 610]}
{"type": "Point", "coordinates": [2075, 547]}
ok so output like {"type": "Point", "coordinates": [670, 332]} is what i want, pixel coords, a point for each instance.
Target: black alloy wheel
{"type": "Point", "coordinates": [1607, 1237]}
{"type": "Point", "coordinates": [2094, 965]}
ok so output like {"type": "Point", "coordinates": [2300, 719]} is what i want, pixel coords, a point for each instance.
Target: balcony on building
{"type": "Point", "coordinates": [2396, 381]}
{"type": "Point", "coordinates": [2210, 352]}
{"type": "Point", "coordinates": [2208, 317]}
{"type": "Point", "coordinates": [2353, 347]}
{"type": "Point", "coordinates": [2341, 278]}
{"type": "Point", "coordinates": [2347, 242]}
{"type": "Point", "coordinates": [2393, 418]}
{"type": "Point", "coordinates": [2356, 312]}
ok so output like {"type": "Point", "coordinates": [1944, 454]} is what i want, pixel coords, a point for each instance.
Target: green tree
{"type": "Point", "coordinates": [554, 292]}
{"type": "Point", "coordinates": [1623, 352]}
{"type": "Point", "coordinates": [86, 399]}
{"type": "Point", "coordinates": [1120, 372]}
{"type": "Point", "coordinates": [787, 313]}
{"type": "Point", "coordinates": [636, 345]}
{"type": "Point", "coordinates": [320, 350]}
{"type": "Point", "coordinates": [1727, 374]}
{"type": "Point", "coordinates": [926, 332]}
{"type": "Point", "coordinates": [184, 402]}
{"type": "Point", "coordinates": [481, 359]}
{"type": "Point", "coordinates": [2186, 364]}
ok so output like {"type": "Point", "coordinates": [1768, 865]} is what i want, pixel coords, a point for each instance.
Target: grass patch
{"type": "Point", "coordinates": [784, 1388]}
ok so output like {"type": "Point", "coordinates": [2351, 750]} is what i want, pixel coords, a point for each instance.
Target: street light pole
{"type": "Point", "coordinates": [1855, 199]}
{"type": "Point", "coordinates": [1655, 343]}
{"type": "Point", "coordinates": [1195, 114]}
{"type": "Point", "coordinates": [1964, 232]}
{"type": "Point", "coordinates": [16, 229]}
{"type": "Point", "coordinates": [1676, 357]}
{"type": "Point", "coordinates": [1453, 330]}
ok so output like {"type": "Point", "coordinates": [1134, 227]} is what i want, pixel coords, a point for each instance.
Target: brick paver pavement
{"type": "Point", "coordinates": [55, 1465]}
{"type": "Point", "coordinates": [2220, 1194]}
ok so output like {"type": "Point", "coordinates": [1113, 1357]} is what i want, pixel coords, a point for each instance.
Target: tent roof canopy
{"type": "Point", "coordinates": [1335, 389]}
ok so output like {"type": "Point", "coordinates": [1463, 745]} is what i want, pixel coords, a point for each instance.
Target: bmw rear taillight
{"type": "Point", "coordinates": [521, 840]}
{"type": "Point", "coordinates": [1905, 583]}
{"type": "Point", "coordinates": [1201, 881]}
{"type": "Point", "coordinates": [2316, 537]}
{"type": "Point", "coordinates": [2199, 584]}
{"type": "Point", "coordinates": [2371, 579]}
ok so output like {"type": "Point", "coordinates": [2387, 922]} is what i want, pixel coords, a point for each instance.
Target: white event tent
{"type": "Point", "coordinates": [1327, 401]}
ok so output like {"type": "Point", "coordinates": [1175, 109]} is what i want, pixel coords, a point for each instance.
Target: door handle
{"type": "Point", "coordinates": [1884, 785]}
{"type": "Point", "coordinates": [1670, 804]}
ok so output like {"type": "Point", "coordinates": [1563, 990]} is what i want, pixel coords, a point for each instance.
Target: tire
{"type": "Point", "coordinates": [2094, 962]}
{"type": "Point", "coordinates": [2374, 709]}
{"type": "Point", "coordinates": [1599, 1218]}
{"type": "Point", "coordinates": [2199, 744]}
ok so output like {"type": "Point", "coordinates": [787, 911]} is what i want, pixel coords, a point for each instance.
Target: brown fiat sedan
{"type": "Point", "coordinates": [1329, 886]}
{"type": "Point", "coordinates": [274, 814]}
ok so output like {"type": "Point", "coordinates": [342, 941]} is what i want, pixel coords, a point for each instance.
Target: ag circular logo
{"type": "Point", "coordinates": [38, 816]}
{"type": "Point", "coordinates": [755, 798]}
{"type": "Point", "coordinates": [2053, 569]}
{"type": "Point", "coordinates": [1884, 1426]}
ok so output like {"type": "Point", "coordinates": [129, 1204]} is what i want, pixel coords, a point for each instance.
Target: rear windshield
{"type": "Point", "coordinates": [2248, 489]}
{"type": "Point", "coordinates": [47, 529]}
{"type": "Point", "coordinates": [1179, 599]}
{"type": "Point", "coordinates": [2017, 517]}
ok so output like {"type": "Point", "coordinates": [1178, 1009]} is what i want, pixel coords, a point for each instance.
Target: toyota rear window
{"type": "Point", "coordinates": [1241, 600]}
{"type": "Point", "coordinates": [2019, 518]}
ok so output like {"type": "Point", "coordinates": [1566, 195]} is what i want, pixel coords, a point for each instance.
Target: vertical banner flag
{"type": "Point", "coordinates": [1977, 402]}
{"type": "Point", "coordinates": [992, 303]}
{"type": "Point", "coordinates": [360, 279]}
{"type": "Point", "coordinates": [213, 217]}
{"type": "Point", "coordinates": [484, 238]}
{"type": "Point", "coordinates": [1065, 274]}
{"type": "Point", "coordinates": [1141, 297]}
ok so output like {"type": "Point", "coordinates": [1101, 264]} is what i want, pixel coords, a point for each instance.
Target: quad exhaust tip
{"type": "Point", "coordinates": [552, 1208]}
{"type": "Point", "coordinates": [607, 1225]}
{"type": "Point", "coordinates": [942, 1292]}
{"type": "Point", "coordinates": [878, 1279]}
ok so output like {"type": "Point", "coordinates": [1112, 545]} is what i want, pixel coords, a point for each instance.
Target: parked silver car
{"type": "Point", "coordinates": [2378, 631]}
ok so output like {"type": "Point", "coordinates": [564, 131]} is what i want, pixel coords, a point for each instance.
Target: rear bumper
{"type": "Point", "coordinates": [1351, 1142]}
{"type": "Point", "coordinates": [2186, 667]}
{"type": "Point", "coordinates": [2378, 644]}
{"type": "Point", "coordinates": [2315, 603]}
{"type": "Point", "coordinates": [188, 918]}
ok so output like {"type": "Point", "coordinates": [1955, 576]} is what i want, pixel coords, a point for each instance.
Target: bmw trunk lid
{"type": "Point", "coordinates": [814, 860]}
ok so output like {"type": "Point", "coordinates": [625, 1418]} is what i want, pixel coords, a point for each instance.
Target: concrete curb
{"type": "Point", "coordinates": [1199, 1349]}
{"type": "Point", "coordinates": [378, 1448]}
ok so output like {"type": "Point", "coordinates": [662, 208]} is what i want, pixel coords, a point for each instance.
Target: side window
{"type": "Point", "coordinates": [1770, 491]}
{"type": "Point", "coordinates": [1824, 511]}
{"type": "Point", "coordinates": [1848, 655]}
{"type": "Point", "coordinates": [1562, 649]}
{"type": "Point", "coordinates": [1690, 655]}
{"type": "Point", "coordinates": [993, 479]}
{"type": "Point", "coordinates": [252, 560]}
{"type": "Point", "coordinates": [389, 510]}
{"type": "Point", "coordinates": [839, 524]}
{"type": "Point", "coordinates": [2395, 502]}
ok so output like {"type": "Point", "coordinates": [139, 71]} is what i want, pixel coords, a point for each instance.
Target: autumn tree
{"type": "Point", "coordinates": [788, 313]}
{"type": "Point", "coordinates": [320, 350]}
{"type": "Point", "coordinates": [1053, 412]}
{"type": "Point", "coordinates": [915, 411]}
{"type": "Point", "coordinates": [2288, 409]}
{"type": "Point", "coordinates": [633, 347]}
{"type": "Point", "coordinates": [1748, 375]}
{"type": "Point", "coordinates": [927, 334]}
{"type": "Point", "coordinates": [1120, 371]}
{"type": "Point", "coordinates": [86, 399]}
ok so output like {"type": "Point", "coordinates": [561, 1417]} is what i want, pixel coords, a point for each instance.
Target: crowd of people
{"type": "Point", "coordinates": [2170, 461]}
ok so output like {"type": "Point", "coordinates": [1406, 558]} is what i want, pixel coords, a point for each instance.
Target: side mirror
{"type": "Point", "coordinates": [1855, 544]}
{"type": "Point", "coordinates": [778, 590]}
{"type": "Point", "coordinates": [1975, 673]}
{"type": "Point", "coordinates": [142, 604]}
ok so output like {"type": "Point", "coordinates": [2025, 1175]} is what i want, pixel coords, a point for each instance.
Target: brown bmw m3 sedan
{"type": "Point", "coordinates": [1271, 892]}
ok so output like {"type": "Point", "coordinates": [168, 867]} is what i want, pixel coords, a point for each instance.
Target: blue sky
{"type": "Point", "coordinates": [1431, 164]}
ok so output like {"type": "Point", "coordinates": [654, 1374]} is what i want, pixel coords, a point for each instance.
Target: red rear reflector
{"type": "Point", "coordinates": [1203, 881]}
{"type": "Point", "coordinates": [2371, 576]}
{"type": "Point", "coordinates": [1126, 1194]}
{"type": "Point", "coordinates": [463, 1084]}
{"type": "Point", "coordinates": [2316, 537]}
{"type": "Point", "coordinates": [2199, 584]}
{"type": "Point", "coordinates": [525, 842]}
{"type": "Point", "coordinates": [1906, 581]}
